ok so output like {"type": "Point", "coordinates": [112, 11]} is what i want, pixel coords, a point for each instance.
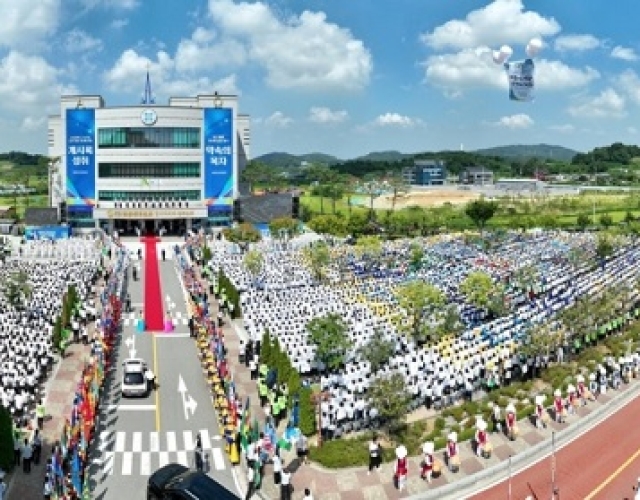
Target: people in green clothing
{"type": "Point", "coordinates": [262, 391]}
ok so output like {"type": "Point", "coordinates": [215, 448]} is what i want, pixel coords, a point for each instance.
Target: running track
{"type": "Point", "coordinates": [603, 464]}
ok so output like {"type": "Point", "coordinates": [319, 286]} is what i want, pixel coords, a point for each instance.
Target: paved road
{"type": "Point", "coordinates": [609, 453]}
{"type": "Point", "coordinates": [137, 436]}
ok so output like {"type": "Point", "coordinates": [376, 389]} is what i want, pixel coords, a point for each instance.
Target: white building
{"type": "Point", "coordinates": [147, 166]}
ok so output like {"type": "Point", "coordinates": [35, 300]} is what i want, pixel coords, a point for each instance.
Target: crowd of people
{"type": "Point", "coordinates": [284, 297]}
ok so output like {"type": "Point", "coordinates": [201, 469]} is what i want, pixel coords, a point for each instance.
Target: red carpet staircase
{"type": "Point", "coordinates": [153, 308]}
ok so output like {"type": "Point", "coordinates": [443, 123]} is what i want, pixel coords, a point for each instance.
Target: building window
{"type": "Point", "coordinates": [149, 137]}
{"type": "Point", "coordinates": [149, 170]}
{"type": "Point", "coordinates": [123, 196]}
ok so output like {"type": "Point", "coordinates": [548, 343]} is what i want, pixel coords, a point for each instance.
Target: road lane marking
{"type": "Point", "coordinates": [172, 444]}
{"type": "Point", "coordinates": [163, 459]}
{"type": "Point", "coordinates": [613, 475]}
{"type": "Point", "coordinates": [154, 442]}
{"type": "Point", "coordinates": [132, 407]}
{"type": "Point", "coordinates": [145, 463]}
{"type": "Point", "coordinates": [155, 371]}
{"type": "Point", "coordinates": [189, 443]}
{"type": "Point", "coordinates": [218, 458]}
{"type": "Point", "coordinates": [172, 335]}
{"type": "Point", "coordinates": [127, 463]}
{"type": "Point", "coordinates": [121, 438]}
{"type": "Point", "coordinates": [136, 445]}
{"type": "Point", "coordinates": [183, 458]}
{"type": "Point", "coordinates": [206, 441]}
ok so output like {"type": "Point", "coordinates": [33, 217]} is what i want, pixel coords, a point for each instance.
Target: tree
{"type": "Point", "coordinates": [319, 176]}
{"type": "Point", "coordinates": [541, 339]}
{"type": "Point", "coordinates": [318, 256]}
{"type": "Point", "coordinates": [258, 173]}
{"type": "Point", "coordinates": [480, 212]}
{"type": "Point", "coordinates": [329, 334]}
{"type": "Point", "coordinates": [420, 301]}
{"type": "Point", "coordinates": [17, 289]}
{"type": "Point", "coordinates": [450, 323]}
{"type": "Point", "coordinates": [416, 255]}
{"type": "Point", "coordinates": [477, 288]}
{"type": "Point", "coordinates": [604, 246]}
{"type": "Point", "coordinates": [606, 221]}
{"type": "Point", "coordinates": [242, 233]}
{"type": "Point", "coordinates": [398, 186]}
{"type": "Point", "coordinates": [328, 224]}
{"type": "Point", "coordinates": [389, 395]}
{"type": "Point", "coordinates": [378, 350]}
{"type": "Point", "coordinates": [628, 217]}
{"type": "Point", "coordinates": [370, 246]}
{"type": "Point", "coordinates": [254, 262]}
{"type": "Point", "coordinates": [583, 221]}
{"type": "Point", "coordinates": [335, 191]}
{"type": "Point", "coordinates": [372, 189]}
{"type": "Point", "coordinates": [283, 224]}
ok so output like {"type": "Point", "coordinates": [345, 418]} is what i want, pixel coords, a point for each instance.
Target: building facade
{"type": "Point", "coordinates": [478, 176]}
{"type": "Point", "coordinates": [162, 168]}
{"type": "Point", "coordinates": [425, 173]}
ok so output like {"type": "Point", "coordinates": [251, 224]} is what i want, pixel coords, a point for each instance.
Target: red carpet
{"type": "Point", "coordinates": [153, 309]}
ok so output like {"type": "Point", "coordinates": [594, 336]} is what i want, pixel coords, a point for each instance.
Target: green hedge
{"type": "Point", "coordinates": [227, 289]}
{"type": "Point", "coordinates": [6, 440]}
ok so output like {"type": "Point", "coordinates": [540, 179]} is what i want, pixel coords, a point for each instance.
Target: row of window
{"type": "Point", "coordinates": [150, 137]}
{"type": "Point", "coordinates": [183, 195]}
{"type": "Point", "coordinates": [149, 170]}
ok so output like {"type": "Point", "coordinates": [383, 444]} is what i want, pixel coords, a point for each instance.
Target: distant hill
{"type": "Point", "coordinates": [389, 156]}
{"type": "Point", "coordinates": [288, 161]}
{"type": "Point", "coordinates": [526, 151]}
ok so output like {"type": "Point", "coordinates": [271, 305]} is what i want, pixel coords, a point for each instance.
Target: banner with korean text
{"type": "Point", "coordinates": [81, 157]}
{"type": "Point", "coordinates": [218, 159]}
{"type": "Point", "coordinates": [521, 82]}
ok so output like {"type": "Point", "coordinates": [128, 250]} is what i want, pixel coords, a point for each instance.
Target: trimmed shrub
{"type": "Point", "coordinates": [307, 412]}
{"type": "Point", "coordinates": [6, 440]}
{"type": "Point", "coordinates": [341, 453]}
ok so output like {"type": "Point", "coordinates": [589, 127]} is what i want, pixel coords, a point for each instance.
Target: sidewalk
{"type": "Point", "coordinates": [59, 393]}
{"type": "Point", "coordinates": [356, 484]}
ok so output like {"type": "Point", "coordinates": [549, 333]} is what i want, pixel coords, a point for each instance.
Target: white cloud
{"type": "Point", "coordinates": [474, 69]}
{"type": "Point", "coordinates": [608, 104]}
{"type": "Point", "coordinates": [325, 115]}
{"type": "Point", "coordinates": [576, 43]}
{"type": "Point", "coordinates": [111, 4]}
{"type": "Point", "coordinates": [129, 71]}
{"type": "Point", "coordinates": [278, 119]}
{"type": "Point", "coordinates": [565, 128]}
{"type": "Point", "coordinates": [624, 53]}
{"type": "Point", "coordinates": [396, 120]}
{"type": "Point", "coordinates": [302, 52]}
{"type": "Point", "coordinates": [117, 24]}
{"type": "Point", "coordinates": [200, 51]}
{"type": "Point", "coordinates": [26, 22]}
{"type": "Point", "coordinates": [517, 121]}
{"type": "Point", "coordinates": [632, 130]}
{"type": "Point", "coordinates": [80, 41]}
{"type": "Point", "coordinates": [628, 83]}
{"type": "Point", "coordinates": [502, 21]}
{"type": "Point", "coordinates": [31, 123]}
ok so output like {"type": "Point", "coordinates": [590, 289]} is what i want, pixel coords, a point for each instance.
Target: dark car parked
{"type": "Point", "coordinates": [177, 482]}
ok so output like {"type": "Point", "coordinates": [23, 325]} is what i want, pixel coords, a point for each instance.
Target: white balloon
{"type": "Point", "coordinates": [534, 47]}
{"type": "Point", "coordinates": [497, 57]}
{"type": "Point", "coordinates": [506, 51]}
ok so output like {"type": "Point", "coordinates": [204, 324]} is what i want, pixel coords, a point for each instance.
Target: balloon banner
{"type": "Point", "coordinates": [521, 82]}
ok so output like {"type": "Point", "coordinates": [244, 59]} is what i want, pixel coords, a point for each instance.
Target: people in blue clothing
{"type": "Point", "coordinates": [140, 326]}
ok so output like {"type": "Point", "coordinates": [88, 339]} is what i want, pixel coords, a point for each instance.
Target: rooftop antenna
{"type": "Point", "coordinates": [148, 97]}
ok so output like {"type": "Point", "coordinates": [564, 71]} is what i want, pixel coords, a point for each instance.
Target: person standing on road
{"type": "Point", "coordinates": [27, 455]}
{"type": "Point", "coordinates": [41, 411]}
{"type": "Point", "coordinates": [36, 444]}
{"type": "Point", "coordinates": [285, 485]}
{"type": "Point", "coordinates": [199, 453]}
{"type": "Point", "coordinates": [251, 483]}
{"type": "Point", "coordinates": [374, 455]}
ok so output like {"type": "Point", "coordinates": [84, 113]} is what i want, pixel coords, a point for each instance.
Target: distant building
{"type": "Point", "coordinates": [520, 184]}
{"type": "Point", "coordinates": [425, 173]}
{"type": "Point", "coordinates": [478, 176]}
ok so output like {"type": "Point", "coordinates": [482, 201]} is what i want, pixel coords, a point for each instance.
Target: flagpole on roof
{"type": "Point", "coordinates": [148, 97]}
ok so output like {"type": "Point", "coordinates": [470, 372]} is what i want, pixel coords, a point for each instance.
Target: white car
{"type": "Point", "coordinates": [134, 382]}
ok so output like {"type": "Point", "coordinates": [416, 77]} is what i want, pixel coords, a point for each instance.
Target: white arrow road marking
{"type": "Point", "coordinates": [132, 353]}
{"type": "Point", "coordinates": [130, 342]}
{"type": "Point", "coordinates": [188, 403]}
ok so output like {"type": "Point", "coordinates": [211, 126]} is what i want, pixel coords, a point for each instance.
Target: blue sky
{"type": "Point", "coordinates": [344, 77]}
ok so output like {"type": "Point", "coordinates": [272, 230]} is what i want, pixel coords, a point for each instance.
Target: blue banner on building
{"type": "Point", "coordinates": [218, 157]}
{"type": "Point", "coordinates": [81, 157]}
{"type": "Point", "coordinates": [47, 233]}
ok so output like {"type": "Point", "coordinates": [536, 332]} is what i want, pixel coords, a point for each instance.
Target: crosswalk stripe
{"type": "Point", "coordinates": [183, 458]}
{"type": "Point", "coordinates": [145, 463]}
{"type": "Point", "coordinates": [127, 463]}
{"type": "Point", "coordinates": [218, 458]}
{"type": "Point", "coordinates": [171, 441]}
{"type": "Point", "coordinates": [104, 441]}
{"type": "Point", "coordinates": [107, 465]}
{"type": "Point", "coordinates": [121, 440]}
{"type": "Point", "coordinates": [206, 441]}
{"type": "Point", "coordinates": [188, 440]}
{"type": "Point", "coordinates": [136, 446]}
{"type": "Point", "coordinates": [154, 442]}
{"type": "Point", "coordinates": [163, 458]}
